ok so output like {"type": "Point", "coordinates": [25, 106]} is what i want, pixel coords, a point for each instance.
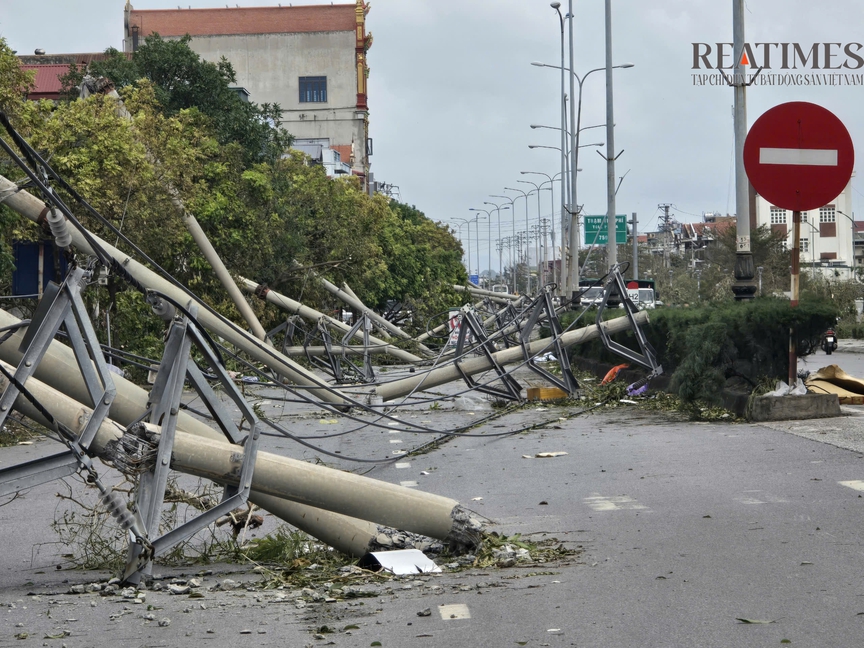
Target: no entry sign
{"type": "Point", "coordinates": [799, 156]}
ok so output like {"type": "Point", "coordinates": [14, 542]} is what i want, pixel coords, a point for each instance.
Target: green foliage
{"type": "Point", "coordinates": [262, 210]}
{"type": "Point", "coordinates": [183, 81]}
{"type": "Point", "coordinates": [708, 348]}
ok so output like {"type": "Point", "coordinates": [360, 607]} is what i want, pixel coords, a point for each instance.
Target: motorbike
{"type": "Point", "coordinates": [829, 341]}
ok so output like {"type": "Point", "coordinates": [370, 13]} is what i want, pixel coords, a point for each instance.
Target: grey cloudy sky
{"type": "Point", "coordinates": [452, 92]}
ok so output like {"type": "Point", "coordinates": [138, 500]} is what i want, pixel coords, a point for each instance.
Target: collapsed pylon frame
{"type": "Point", "coordinates": [61, 305]}
{"type": "Point", "coordinates": [163, 407]}
{"type": "Point", "coordinates": [468, 321]}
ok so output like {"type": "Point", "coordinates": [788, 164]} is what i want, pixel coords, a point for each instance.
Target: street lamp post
{"type": "Point", "coordinates": [468, 255]}
{"type": "Point", "coordinates": [527, 231]}
{"type": "Point", "coordinates": [541, 245]}
{"type": "Point", "coordinates": [498, 209]}
{"type": "Point", "coordinates": [573, 274]}
{"type": "Point", "coordinates": [476, 220]}
{"type": "Point", "coordinates": [551, 181]}
{"type": "Point", "coordinates": [488, 230]}
{"type": "Point", "coordinates": [557, 7]}
{"type": "Point", "coordinates": [513, 211]}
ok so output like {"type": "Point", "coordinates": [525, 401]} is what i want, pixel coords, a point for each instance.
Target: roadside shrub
{"type": "Point", "coordinates": [707, 348]}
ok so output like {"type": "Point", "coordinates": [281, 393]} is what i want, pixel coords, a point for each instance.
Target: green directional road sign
{"type": "Point", "coordinates": [597, 233]}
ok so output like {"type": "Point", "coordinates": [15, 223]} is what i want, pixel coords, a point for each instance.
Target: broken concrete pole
{"type": "Point", "coordinates": [310, 314]}
{"type": "Point", "coordinates": [309, 484]}
{"type": "Point", "coordinates": [470, 366]}
{"type": "Point", "coordinates": [351, 299]}
{"type": "Point", "coordinates": [32, 208]}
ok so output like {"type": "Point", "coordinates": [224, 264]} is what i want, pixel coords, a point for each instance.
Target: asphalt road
{"type": "Point", "coordinates": [684, 528]}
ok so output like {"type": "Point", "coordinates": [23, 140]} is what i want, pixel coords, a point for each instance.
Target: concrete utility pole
{"type": "Point", "coordinates": [31, 208]}
{"type": "Point", "coordinates": [312, 315]}
{"type": "Point", "coordinates": [472, 366]}
{"type": "Point", "coordinates": [635, 269]}
{"type": "Point", "coordinates": [745, 284]}
{"type": "Point", "coordinates": [667, 233]}
{"type": "Point", "coordinates": [104, 86]}
{"type": "Point", "coordinates": [346, 532]}
{"type": "Point", "coordinates": [612, 243]}
{"type": "Point", "coordinates": [573, 256]}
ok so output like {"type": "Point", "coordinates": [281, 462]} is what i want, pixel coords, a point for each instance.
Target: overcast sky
{"type": "Point", "coordinates": [452, 93]}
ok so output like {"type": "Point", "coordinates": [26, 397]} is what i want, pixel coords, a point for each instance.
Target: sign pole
{"type": "Point", "coordinates": [796, 268]}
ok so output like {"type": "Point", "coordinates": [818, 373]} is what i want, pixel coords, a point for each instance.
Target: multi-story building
{"type": "Point", "coordinates": [827, 238]}
{"type": "Point", "coordinates": [311, 60]}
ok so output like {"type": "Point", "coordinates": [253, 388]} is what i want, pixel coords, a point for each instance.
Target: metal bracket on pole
{"type": "Point", "coordinates": [164, 407]}
{"type": "Point", "coordinates": [364, 323]}
{"type": "Point", "coordinates": [60, 306]}
{"type": "Point", "coordinates": [468, 321]}
{"type": "Point", "coordinates": [648, 357]}
{"type": "Point", "coordinates": [544, 305]}
{"type": "Point", "coordinates": [504, 318]}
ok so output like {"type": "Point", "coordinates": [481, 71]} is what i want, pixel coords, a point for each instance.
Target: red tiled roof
{"type": "Point", "coordinates": [47, 82]}
{"type": "Point", "coordinates": [244, 20]}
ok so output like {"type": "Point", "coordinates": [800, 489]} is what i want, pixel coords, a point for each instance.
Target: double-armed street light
{"type": "Point", "coordinates": [497, 210]}
{"type": "Point", "coordinates": [527, 230]}
{"type": "Point", "coordinates": [488, 231]}
{"type": "Point", "coordinates": [468, 255]}
{"type": "Point", "coordinates": [573, 268]}
{"type": "Point", "coordinates": [542, 255]}
{"type": "Point", "coordinates": [513, 212]}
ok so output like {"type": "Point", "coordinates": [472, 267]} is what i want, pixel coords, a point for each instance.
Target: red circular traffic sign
{"type": "Point", "coordinates": [799, 156]}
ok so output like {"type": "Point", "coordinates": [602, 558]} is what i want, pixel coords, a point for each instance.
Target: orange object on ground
{"type": "Point", "coordinates": [613, 373]}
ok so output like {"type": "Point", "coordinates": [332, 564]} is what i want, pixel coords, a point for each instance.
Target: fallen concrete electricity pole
{"type": "Point", "coordinates": [351, 299]}
{"type": "Point", "coordinates": [281, 479]}
{"type": "Point", "coordinates": [505, 297]}
{"type": "Point", "coordinates": [59, 370]}
{"type": "Point", "coordinates": [471, 366]}
{"type": "Point", "coordinates": [291, 306]}
{"type": "Point", "coordinates": [102, 85]}
{"type": "Point", "coordinates": [32, 208]}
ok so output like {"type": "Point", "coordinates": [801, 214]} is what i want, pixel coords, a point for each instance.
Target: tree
{"type": "Point", "coordinates": [183, 81]}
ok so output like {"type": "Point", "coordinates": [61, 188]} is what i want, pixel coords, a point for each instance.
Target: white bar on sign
{"type": "Point", "coordinates": [798, 157]}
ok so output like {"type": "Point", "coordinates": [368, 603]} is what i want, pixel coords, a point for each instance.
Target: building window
{"type": "Point", "coordinates": [804, 217]}
{"type": "Point", "coordinates": [804, 245]}
{"type": "Point", "coordinates": [313, 89]}
{"type": "Point", "coordinates": [827, 214]}
{"type": "Point", "coordinates": [778, 216]}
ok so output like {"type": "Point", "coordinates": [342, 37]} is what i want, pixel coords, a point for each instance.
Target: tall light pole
{"type": "Point", "coordinates": [552, 194]}
{"type": "Point", "coordinates": [527, 234]}
{"type": "Point", "coordinates": [468, 255]}
{"type": "Point", "coordinates": [557, 7]}
{"type": "Point", "coordinates": [476, 220]}
{"type": "Point", "coordinates": [513, 211]}
{"type": "Point", "coordinates": [541, 248]}
{"type": "Point", "coordinates": [498, 209]}
{"type": "Point", "coordinates": [573, 274]}
{"type": "Point", "coordinates": [488, 230]}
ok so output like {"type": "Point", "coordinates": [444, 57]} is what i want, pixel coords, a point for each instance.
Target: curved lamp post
{"type": "Point", "coordinates": [497, 210]}
{"type": "Point", "coordinates": [513, 211]}
{"type": "Point", "coordinates": [527, 237]}
{"type": "Point", "coordinates": [488, 230]}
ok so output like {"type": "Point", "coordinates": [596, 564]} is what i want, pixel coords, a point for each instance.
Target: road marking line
{"type": "Point", "coordinates": [402, 465]}
{"type": "Point", "coordinates": [454, 611]}
{"type": "Point", "coordinates": [394, 431]}
{"type": "Point", "coordinates": [408, 484]}
{"type": "Point", "coordinates": [753, 499]}
{"type": "Point", "coordinates": [395, 440]}
{"type": "Point", "coordinates": [600, 503]}
{"type": "Point", "coordinates": [855, 484]}
{"type": "Point", "coordinates": [798, 157]}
